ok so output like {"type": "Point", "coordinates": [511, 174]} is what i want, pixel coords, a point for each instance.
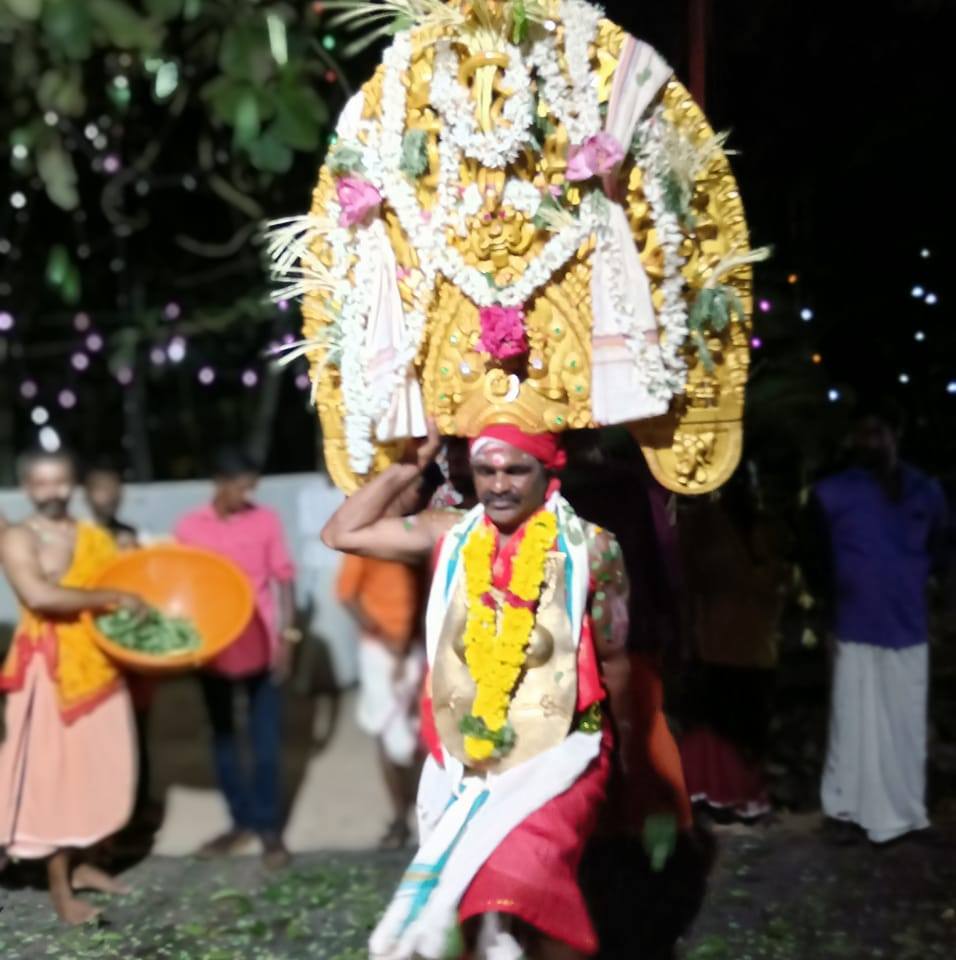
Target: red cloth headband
{"type": "Point", "coordinates": [544, 447]}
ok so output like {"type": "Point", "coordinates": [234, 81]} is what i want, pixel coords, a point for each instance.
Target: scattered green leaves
{"type": "Point", "coordinates": [503, 739]}
{"type": "Point", "coordinates": [712, 312]}
{"type": "Point", "coordinates": [519, 21]}
{"type": "Point", "coordinates": [154, 634]}
{"type": "Point", "coordinates": [344, 157]}
{"type": "Point", "coordinates": [414, 160]}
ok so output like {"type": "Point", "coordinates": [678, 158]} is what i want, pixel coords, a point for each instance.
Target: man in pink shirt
{"type": "Point", "coordinates": [251, 536]}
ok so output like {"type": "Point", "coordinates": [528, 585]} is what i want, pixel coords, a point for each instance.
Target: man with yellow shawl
{"type": "Point", "coordinates": [68, 762]}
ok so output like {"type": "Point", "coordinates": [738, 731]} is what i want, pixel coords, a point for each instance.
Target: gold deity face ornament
{"type": "Point", "coordinates": [528, 223]}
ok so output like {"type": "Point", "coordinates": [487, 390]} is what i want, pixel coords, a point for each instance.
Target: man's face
{"type": "Point", "coordinates": [104, 493]}
{"type": "Point", "coordinates": [874, 443]}
{"type": "Point", "coordinates": [50, 484]}
{"type": "Point", "coordinates": [233, 493]}
{"type": "Point", "coordinates": [510, 484]}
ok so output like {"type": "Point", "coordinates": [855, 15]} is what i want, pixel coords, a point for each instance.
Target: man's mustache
{"type": "Point", "coordinates": [54, 507]}
{"type": "Point", "coordinates": [490, 498]}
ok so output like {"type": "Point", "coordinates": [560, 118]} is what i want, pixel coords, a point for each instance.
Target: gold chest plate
{"type": "Point", "coordinates": [545, 698]}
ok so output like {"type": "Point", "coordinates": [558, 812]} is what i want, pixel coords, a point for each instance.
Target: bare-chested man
{"type": "Point", "coordinates": [526, 631]}
{"type": "Point", "coordinates": [68, 763]}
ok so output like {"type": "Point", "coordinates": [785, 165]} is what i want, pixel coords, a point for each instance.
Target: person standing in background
{"type": "Point", "coordinates": [256, 663]}
{"type": "Point", "coordinates": [103, 485]}
{"type": "Point", "coordinates": [735, 580]}
{"type": "Point", "coordinates": [384, 597]}
{"type": "Point", "coordinates": [874, 533]}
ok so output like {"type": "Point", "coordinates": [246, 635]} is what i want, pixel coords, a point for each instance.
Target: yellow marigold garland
{"type": "Point", "coordinates": [496, 658]}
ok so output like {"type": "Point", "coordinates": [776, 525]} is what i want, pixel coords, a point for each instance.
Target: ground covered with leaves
{"type": "Point", "coordinates": [323, 907]}
{"type": "Point", "coordinates": [786, 894]}
{"type": "Point", "coordinates": [774, 893]}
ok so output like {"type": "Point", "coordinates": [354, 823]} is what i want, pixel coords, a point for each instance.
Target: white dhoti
{"type": "Point", "coordinates": [389, 686]}
{"type": "Point", "coordinates": [875, 772]}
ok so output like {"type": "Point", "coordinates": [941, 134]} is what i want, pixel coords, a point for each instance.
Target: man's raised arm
{"type": "Point", "coordinates": [365, 524]}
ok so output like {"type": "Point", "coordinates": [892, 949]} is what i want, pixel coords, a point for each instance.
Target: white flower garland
{"type": "Point", "coordinates": [426, 233]}
{"type": "Point", "coordinates": [648, 360]}
{"type": "Point", "coordinates": [359, 414]}
{"type": "Point", "coordinates": [472, 200]}
{"type": "Point", "coordinates": [522, 196]}
{"type": "Point", "coordinates": [518, 194]}
{"type": "Point", "coordinates": [555, 255]}
{"type": "Point", "coordinates": [496, 148]}
{"type": "Point", "coordinates": [672, 317]}
{"type": "Point", "coordinates": [576, 104]}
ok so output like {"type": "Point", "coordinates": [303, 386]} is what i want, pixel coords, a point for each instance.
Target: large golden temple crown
{"type": "Point", "coordinates": [463, 257]}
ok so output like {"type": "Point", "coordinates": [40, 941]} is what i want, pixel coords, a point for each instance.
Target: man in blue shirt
{"type": "Point", "coordinates": [884, 523]}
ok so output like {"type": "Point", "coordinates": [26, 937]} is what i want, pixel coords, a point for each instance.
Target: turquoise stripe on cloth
{"type": "Point", "coordinates": [426, 876]}
{"type": "Point", "coordinates": [568, 575]}
{"type": "Point", "coordinates": [455, 557]}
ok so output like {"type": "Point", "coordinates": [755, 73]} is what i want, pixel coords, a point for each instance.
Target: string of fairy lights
{"type": "Point", "coordinates": [920, 291]}
{"type": "Point", "coordinates": [89, 346]}
{"type": "Point", "coordinates": [87, 352]}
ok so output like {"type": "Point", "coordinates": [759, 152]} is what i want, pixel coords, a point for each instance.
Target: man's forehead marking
{"type": "Point", "coordinates": [495, 451]}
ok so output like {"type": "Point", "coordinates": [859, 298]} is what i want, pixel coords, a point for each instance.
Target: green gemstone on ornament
{"type": "Point", "coordinates": [598, 612]}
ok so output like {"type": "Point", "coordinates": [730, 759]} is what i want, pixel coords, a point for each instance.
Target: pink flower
{"type": "Point", "coordinates": [596, 157]}
{"type": "Point", "coordinates": [502, 332]}
{"type": "Point", "coordinates": [357, 198]}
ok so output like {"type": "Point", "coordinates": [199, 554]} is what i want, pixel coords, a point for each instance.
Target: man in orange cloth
{"type": "Point", "coordinates": [68, 763]}
{"type": "Point", "coordinates": [526, 636]}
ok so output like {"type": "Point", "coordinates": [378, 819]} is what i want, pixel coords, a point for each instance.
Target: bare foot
{"type": "Point", "coordinates": [88, 877]}
{"type": "Point", "coordinates": [74, 912]}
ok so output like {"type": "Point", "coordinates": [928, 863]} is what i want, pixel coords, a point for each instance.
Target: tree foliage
{"type": "Point", "coordinates": [147, 142]}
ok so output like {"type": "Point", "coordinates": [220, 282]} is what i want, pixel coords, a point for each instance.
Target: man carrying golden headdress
{"type": "Point", "coordinates": [526, 641]}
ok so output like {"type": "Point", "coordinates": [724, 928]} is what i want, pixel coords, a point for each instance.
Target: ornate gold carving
{"type": "Point", "coordinates": [692, 449]}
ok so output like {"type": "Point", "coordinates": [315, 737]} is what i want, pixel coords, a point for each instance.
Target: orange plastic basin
{"type": "Point", "coordinates": [179, 581]}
